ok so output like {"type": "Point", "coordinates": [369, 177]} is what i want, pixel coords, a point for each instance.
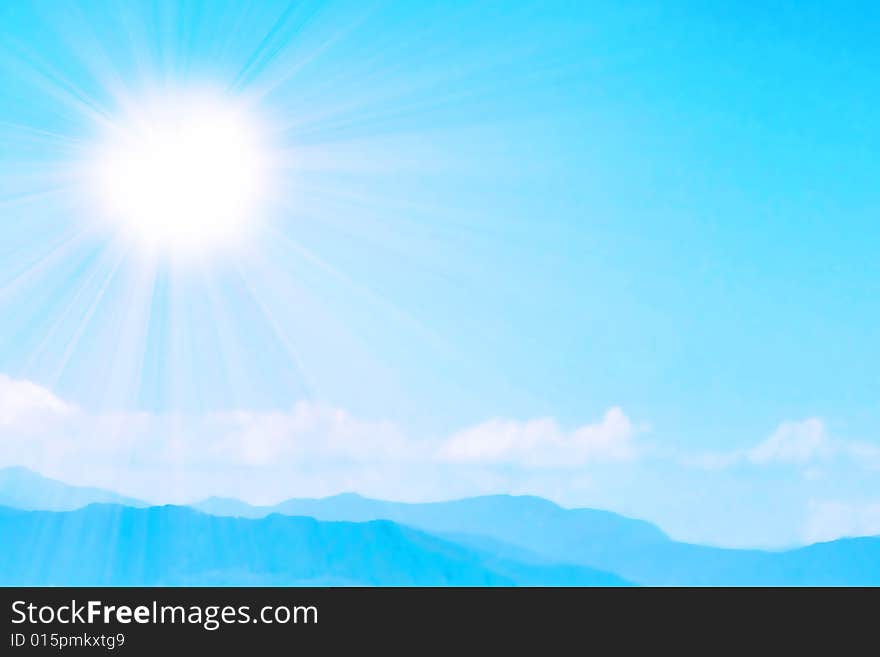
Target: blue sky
{"type": "Point", "coordinates": [488, 215]}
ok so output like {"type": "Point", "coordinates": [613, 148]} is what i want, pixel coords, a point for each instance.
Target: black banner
{"type": "Point", "coordinates": [550, 621]}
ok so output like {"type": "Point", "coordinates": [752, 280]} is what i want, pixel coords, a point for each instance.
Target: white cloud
{"type": "Point", "coordinates": [308, 432]}
{"type": "Point", "coordinates": [802, 443]}
{"type": "Point", "coordinates": [311, 449]}
{"type": "Point", "coordinates": [542, 444]}
{"type": "Point", "coordinates": [22, 404]}
{"type": "Point", "coordinates": [866, 454]}
{"type": "Point", "coordinates": [793, 442]}
{"type": "Point", "coordinates": [828, 520]}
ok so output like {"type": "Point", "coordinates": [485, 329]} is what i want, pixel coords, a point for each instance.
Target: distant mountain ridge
{"type": "Point", "coordinates": [21, 488]}
{"type": "Point", "coordinates": [533, 524]}
{"type": "Point", "coordinates": [445, 516]}
{"type": "Point", "coordinates": [536, 530]}
{"type": "Point", "coordinates": [111, 545]}
{"type": "Point", "coordinates": [529, 540]}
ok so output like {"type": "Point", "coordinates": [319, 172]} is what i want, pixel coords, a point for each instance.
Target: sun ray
{"type": "Point", "coordinates": [58, 250]}
{"type": "Point", "coordinates": [380, 302]}
{"type": "Point", "coordinates": [103, 264]}
{"type": "Point", "coordinates": [88, 315]}
{"type": "Point", "coordinates": [278, 330]}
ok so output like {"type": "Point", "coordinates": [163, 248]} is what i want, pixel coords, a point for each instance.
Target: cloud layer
{"type": "Point", "coordinates": [542, 443]}
{"type": "Point", "coordinates": [829, 520]}
{"type": "Point", "coordinates": [793, 442]}
{"type": "Point", "coordinates": [310, 449]}
{"type": "Point", "coordinates": [804, 444]}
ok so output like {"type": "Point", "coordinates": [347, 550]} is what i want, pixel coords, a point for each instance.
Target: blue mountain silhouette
{"type": "Point", "coordinates": [114, 545]}
{"type": "Point", "coordinates": [21, 488]}
{"type": "Point", "coordinates": [535, 530]}
{"type": "Point", "coordinates": [348, 539]}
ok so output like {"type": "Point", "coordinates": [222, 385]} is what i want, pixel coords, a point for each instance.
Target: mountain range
{"type": "Point", "coordinates": [21, 488]}
{"type": "Point", "coordinates": [349, 539]}
{"type": "Point", "coordinates": [112, 545]}
{"type": "Point", "coordinates": [634, 549]}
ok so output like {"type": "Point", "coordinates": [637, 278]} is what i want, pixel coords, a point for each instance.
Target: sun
{"type": "Point", "coordinates": [187, 174]}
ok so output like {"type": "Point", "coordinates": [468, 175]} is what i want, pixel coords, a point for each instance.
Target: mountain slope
{"type": "Point", "coordinates": [115, 546]}
{"type": "Point", "coordinates": [536, 531]}
{"type": "Point", "coordinates": [21, 488]}
{"type": "Point", "coordinates": [844, 562]}
{"type": "Point", "coordinates": [530, 523]}
{"type": "Point", "coordinates": [503, 539]}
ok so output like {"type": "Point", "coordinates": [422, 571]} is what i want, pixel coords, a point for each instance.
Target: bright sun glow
{"type": "Point", "coordinates": [182, 175]}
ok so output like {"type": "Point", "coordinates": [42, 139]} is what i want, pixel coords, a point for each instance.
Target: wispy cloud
{"type": "Point", "coordinates": [543, 444]}
{"type": "Point", "coordinates": [828, 520]}
{"type": "Point", "coordinates": [309, 449]}
{"type": "Point", "coordinates": [24, 404]}
{"type": "Point", "coordinates": [795, 443]}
